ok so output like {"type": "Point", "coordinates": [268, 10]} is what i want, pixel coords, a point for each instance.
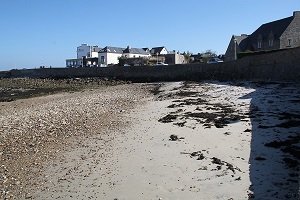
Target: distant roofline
{"type": "Point", "coordinates": [122, 49]}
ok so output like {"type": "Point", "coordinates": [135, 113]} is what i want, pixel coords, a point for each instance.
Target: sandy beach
{"type": "Point", "coordinates": [179, 140]}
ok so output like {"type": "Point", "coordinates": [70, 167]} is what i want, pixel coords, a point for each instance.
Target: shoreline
{"type": "Point", "coordinates": [190, 140]}
{"type": "Point", "coordinates": [35, 131]}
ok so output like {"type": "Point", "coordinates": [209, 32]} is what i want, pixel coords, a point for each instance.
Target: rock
{"type": "Point", "coordinates": [259, 158]}
{"type": "Point", "coordinates": [173, 137]}
{"type": "Point", "coordinates": [28, 196]}
{"type": "Point", "coordinates": [200, 157]}
{"type": "Point", "coordinates": [217, 161]}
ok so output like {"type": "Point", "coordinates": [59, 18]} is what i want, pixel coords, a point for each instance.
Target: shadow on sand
{"type": "Point", "coordinates": [275, 146]}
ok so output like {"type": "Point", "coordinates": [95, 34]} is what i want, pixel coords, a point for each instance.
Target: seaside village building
{"type": "Point", "coordinates": [93, 56]}
{"type": "Point", "coordinates": [86, 56]}
{"type": "Point", "coordinates": [110, 55]}
{"type": "Point", "coordinates": [279, 34]}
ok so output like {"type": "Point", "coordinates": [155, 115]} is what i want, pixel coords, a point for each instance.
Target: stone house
{"type": "Point", "coordinates": [175, 58]}
{"type": "Point", "coordinates": [279, 34]}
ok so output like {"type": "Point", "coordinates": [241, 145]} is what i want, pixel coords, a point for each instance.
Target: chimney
{"type": "Point", "coordinates": [296, 13]}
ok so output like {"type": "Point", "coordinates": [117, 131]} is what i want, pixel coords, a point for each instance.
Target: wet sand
{"type": "Point", "coordinates": [186, 141]}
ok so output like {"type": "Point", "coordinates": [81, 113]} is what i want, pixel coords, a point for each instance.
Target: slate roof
{"type": "Point", "coordinates": [109, 49]}
{"type": "Point", "coordinates": [276, 28]}
{"type": "Point", "coordinates": [135, 51]}
{"type": "Point", "coordinates": [155, 50]}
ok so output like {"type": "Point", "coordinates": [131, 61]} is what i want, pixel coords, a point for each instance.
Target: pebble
{"type": "Point", "coordinates": [38, 128]}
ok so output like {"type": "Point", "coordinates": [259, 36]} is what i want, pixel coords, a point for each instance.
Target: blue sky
{"type": "Point", "coordinates": [40, 32]}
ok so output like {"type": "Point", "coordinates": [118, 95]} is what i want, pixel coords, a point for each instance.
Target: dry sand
{"type": "Point", "coordinates": [189, 141]}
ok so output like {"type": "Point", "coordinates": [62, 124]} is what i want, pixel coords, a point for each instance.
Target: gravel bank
{"type": "Point", "coordinates": [35, 131]}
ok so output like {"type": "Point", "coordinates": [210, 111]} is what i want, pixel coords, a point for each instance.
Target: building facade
{"type": "Point", "coordinates": [85, 50]}
{"type": "Point", "coordinates": [235, 47]}
{"type": "Point", "coordinates": [86, 56]}
{"type": "Point", "coordinates": [135, 53]}
{"type": "Point", "coordinates": [175, 58]}
{"type": "Point", "coordinates": [158, 51]}
{"type": "Point", "coordinates": [110, 55]}
{"type": "Point", "coordinates": [280, 34]}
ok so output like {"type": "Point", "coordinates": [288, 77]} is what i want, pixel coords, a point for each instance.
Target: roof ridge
{"type": "Point", "coordinates": [286, 18]}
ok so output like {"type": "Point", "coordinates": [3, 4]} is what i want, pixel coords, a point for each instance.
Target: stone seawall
{"type": "Point", "coordinates": [276, 66]}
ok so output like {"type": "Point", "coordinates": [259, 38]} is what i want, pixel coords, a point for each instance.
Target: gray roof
{"type": "Point", "coordinates": [276, 28]}
{"type": "Point", "coordinates": [96, 49]}
{"type": "Point", "coordinates": [135, 51]}
{"type": "Point", "coordinates": [155, 50]}
{"type": "Point", "coordinates": [120, 50]}
{"type": "Point", "coordinates": [109, 49]}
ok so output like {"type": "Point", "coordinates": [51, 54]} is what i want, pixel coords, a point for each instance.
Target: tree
{"type": "Point", "coordinates": [210, 53]}
{"type": "Point", "coordinates": [207, 55]}
{"type": "Point", "coordinates": [187, 56]}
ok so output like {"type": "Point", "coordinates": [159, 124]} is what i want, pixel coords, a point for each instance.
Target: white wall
{"type": "Point", "coordinates": [112, 58]}
{"type": "Point", "coordinates": [109, 58]}
{"type": "Point", "coordinates": [164, 51]}
{"type": "Point", "coordinates": [94, 54]}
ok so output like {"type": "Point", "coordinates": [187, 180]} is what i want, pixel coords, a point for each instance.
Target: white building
{"type": "Point", "coordinates": [86, 56]}
{"type": "Point", "coordinates": [159, 51]}
{"type": "Point", "coordinates": [110, 55]}
{"type": "Point", "coordinates": [135, 53]}
{"type": "Point", "coordinates": [87, 51]}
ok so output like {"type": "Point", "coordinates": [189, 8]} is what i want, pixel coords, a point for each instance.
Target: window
{"type": "Point", "coordinates": [270, 43]}
{"type": "Point", "coordinates": [289, 42]}
{"type": "Point", "coordinates": [259, 44]}
{"type": "Point", "coordinates": [102, 59]}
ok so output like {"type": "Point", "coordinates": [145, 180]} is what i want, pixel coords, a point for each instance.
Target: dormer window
{"type": "Point", "coordinates": [259, 44]}
{"type": "Point", "coordinates": [271, 43]}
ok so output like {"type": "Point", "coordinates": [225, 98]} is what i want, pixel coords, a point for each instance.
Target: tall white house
{"type": "Point", "coordinates": [87, 51]}
{"type": "Point", "coordinates": [86, 56]}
